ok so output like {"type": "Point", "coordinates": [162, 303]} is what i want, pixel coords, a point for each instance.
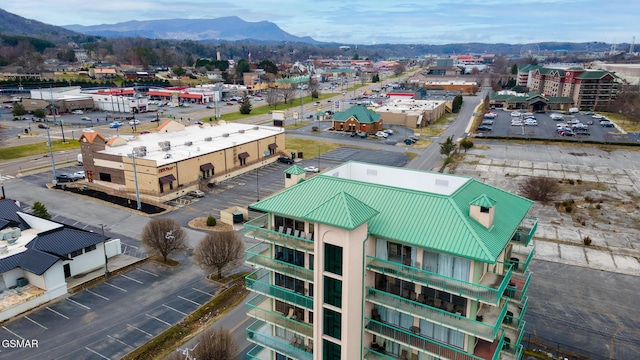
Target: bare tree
{"type": "Point", "coordinates": [542, 189]}
{"type": "Point", "coordinates": [216, 344]}
{"type": "Point", "coordinates": [287, 90]}
{"type": "Point", "coordinates": [272, 97]}
{"type": "Point", "coordinates": [163, 236]}
{"type": "Point", "coordinates": [217, 250]}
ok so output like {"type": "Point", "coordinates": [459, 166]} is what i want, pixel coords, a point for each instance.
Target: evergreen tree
{"type": "Point", "coordinates": [39, 210]}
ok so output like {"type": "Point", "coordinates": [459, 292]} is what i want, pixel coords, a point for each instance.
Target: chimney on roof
{"type": "Point", "coordinates": [482, 210]}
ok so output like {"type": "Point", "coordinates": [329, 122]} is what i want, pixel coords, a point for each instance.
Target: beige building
{"type": "Point", "coordinates": [178, 158]}
{"type": "Point", "coordinates": [411, 113]}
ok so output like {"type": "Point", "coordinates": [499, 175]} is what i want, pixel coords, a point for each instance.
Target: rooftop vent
{"type": "Point", "coordinates": [225, 135]}
{"type": "Point", "coordinates": [208, 138]}
{"type": "Point", "coordinates": [188, 143]}
{"type": "Point", "coordinates": [255, 128]}
{"type": "Point", "coordinates": [240, 131]}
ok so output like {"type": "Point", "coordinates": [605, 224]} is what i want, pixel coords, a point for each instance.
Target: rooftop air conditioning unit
{"type": "Point", "coordinates": [240, 131]}
{"type": "Point", "coordinates": [3, 249]}
{"type": "Point", "coordinates": [207, 138]}
{"type": "Point", "coordinates": [225, 135]}
{"type": "Point", "coordinates": [188, 143]}
{"type": "Point", "coordinates": [255, 128]}
{"type": "Point", "coordinates": [167, 156]}
{"type": "Point", "coordinates": [166, 148]}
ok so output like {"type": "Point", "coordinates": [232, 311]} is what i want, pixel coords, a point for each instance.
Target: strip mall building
{"type": "Point", "coordinates": [169, 163]}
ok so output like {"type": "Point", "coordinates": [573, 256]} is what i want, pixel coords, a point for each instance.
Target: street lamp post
{"type": "Point", "coordinates": [135, 179]}
{"type": "Point", "coordinates": [104, 248]}
{"type": "Point", "coordinates": [2, 186]}
{"type": "Point", "coordinates": [258, 183]}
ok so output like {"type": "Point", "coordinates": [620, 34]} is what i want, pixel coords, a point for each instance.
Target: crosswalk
{"type": "Point", "coordinates": [6, 177]}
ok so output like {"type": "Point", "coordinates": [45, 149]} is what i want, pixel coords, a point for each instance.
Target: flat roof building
{"type": "Point", "coordinates": [411, 113]}
{"type": "Point", "coordinates": [177, 158]}
{"type": "Point", "coordinates": [372, 262]}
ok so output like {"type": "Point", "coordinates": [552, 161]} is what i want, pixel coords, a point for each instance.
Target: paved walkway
{"type": "Point", "coordinates": [114, 264]}
{"type": "Point", "coordinates": [558, 238]}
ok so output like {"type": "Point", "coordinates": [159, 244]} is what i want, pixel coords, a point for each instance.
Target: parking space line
{"type": "Point", "coordinates": [132, 279]}
{"type": "Point", "coordinates": [191, 301]}
{"type": "Point", "coordinates": [204, 292]}
{"type": "Point", "coordinates": [147, 272]}
{"type": "Point", "coordinates": [42, 326]}
{"type": "Point", "coordinates": [142, 331]}
{"type": "Point", "coordinates": [178, 311]}
{"type": "Point", "coordinates": [77, 303]}
{"type": "Point", "coordinates": [97, 353]}
{"type": "Point", "coordinates": [12, 333]}
{"type": "Point", "coordinates": [162, 321]}
{"type": "Point", "coordinates": [117, 287]}
{"type": "Point", "coordinates": [120, 341]}
{"type": "Point", "coordinates": [55, 312]}
{"type": "Point", "coordinates": [98, 295]}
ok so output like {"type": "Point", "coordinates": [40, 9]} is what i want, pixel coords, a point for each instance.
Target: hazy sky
{"type": "Point", "coordinates": [375, 21]}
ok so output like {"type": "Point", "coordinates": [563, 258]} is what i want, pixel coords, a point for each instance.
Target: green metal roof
{"type": "Point", "coordinates": [484, 201]}
{"type": "Point", "coordinates": [360, 112]}
{"type": "Point", "coordinates": [294, 170]}
{"type": "Point", "coordinates": [343, 211]}
{"type": "Point", "coordinates": [418, 218]}
{"type": "Point", "coordinates": [595, 74]}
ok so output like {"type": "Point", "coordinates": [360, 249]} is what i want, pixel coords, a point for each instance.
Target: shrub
{"type": "Point", "coordinates": [598, 206]}
{"type": "Point", "coordinates": [571, 182]}
{"type": "Point", "coordinates": [588, 199]}
{"type": "Point", "coordinates": [539, 189]}
{"type": "Point", "coordinates": [315, 128]}
{"type": "Point", "coordinates": [568, 208]}
{"type": "Point", "coordinates": [211, 221]}
{"type": "Point", "coordinates": [586, 240]}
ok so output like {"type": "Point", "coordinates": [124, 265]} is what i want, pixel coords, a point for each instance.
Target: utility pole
{"type": "Point", "coordinates": [104, 248]}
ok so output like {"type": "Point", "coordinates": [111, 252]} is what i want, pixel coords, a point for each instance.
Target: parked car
{"type": "Point", "coordinates": [79, 174]}
{"type": "Point", "coordinates": [210, 106]}
{"type": "Point", "coordinates": [516, 114]}
{"type": "Point", "coordinates": [134, 122]}
{"type": "Point", "coordinates": [487, 122]}
{"type": "Point", "coordinates": [483, 128]}
{"type": "Point", "coordinates": [516, 123]}
{"type": "Point", "coordinates": [573, 121]}
{"type": "Point", "coordinates": [597, 116]}
{"type": "Point", "coordinates": [85, 118]}
{"type": "Point", "coordinates": [8, 106]}
{"type": "Point", "coordinates": [285, 160]}
{"type": "Point", "coordinates": [582, 132]}
{"type": "Point", "coordinates": [230, 103]}
{"type": "Point", "coordinates": [382, 134]}
{"type": "Point", "coordinates": [143, 132]}
{"type": "Point", "coordinates": [196, 193]}
{"type": "Point", "coordinates": [556, 116]}
{"type": "Point", "coordinates": [115, 124]}
{"type": "Point", "coordinates": [66, 178]}
{"type": "Point", "coordinates": [312, 169]}
{"type": "Point", "coordinates": [568, 133]}
{"type": "Point", "coordinates": [389, 131]}
{"type": "Point", "coordinates": [579, 126]}
{"type": "Point", "coordinates": [43, 126]}
{"type": "Point", "coordinates": [490, 116]}
{"type": "Point", "coordinates": [606, 124]}
{"type": "Point", "coordinates": [531, 122]}
{"type": "Point", "coordinates": [77, 112]}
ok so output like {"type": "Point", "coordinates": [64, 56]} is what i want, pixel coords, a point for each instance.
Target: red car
{"type": "Point", "coordinates": [230, 103]}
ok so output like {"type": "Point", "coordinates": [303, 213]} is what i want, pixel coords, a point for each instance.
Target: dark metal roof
{"type": "Point", "coordinates": [10, 262]}
{"type": "Point", "coordinates": [207, 166]}
{"type": "Point", "coordinates": [167, 179]}
{"type": "Point", "coordinates": [243, 155]}
{"type": "Point", "coordinates": [273, 146]}
{"type": "Point", "coordinates": [9, 211]}
{"type": "Point", "coordinates": [37, 262]}
{"type": "Point", "coordinates": [64, 241]}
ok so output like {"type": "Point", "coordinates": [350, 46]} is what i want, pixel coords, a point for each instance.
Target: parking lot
{"type": "Point", "coordinates": [68, 329]}
{"type": "Point", "coordinates": [546, 128]}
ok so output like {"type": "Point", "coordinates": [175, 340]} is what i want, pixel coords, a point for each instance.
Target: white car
{"type": "Point", "coordinates": [531, 122]}
{"type": "Point", "coordinates": [516, 123]}
{"type": "Point", "coordinates": [561, 125]}
{"type": "Point", "coordinates": [556, 116]}
{"type": "Point", "coordinates": [134, 122]}
{"type": "Point", "coordinates": [196, 193]}
{"type": "Point", "coordinates": [516, 114]}
{"type": "Point", "coordinates": [79, 174]}
{"type": "Point", "coordinates": [382, 134]}
{"type": "Point", "coordinates": [312, 169]}
{"type": "Point", "coordinates": [77, 112]}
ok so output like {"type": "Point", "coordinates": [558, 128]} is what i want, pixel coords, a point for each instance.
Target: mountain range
{"type": "Point", "coordinates": [230, 28]}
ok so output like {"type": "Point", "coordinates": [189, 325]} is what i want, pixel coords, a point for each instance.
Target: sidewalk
{"type": "Point", "coordinates": [116, 264]}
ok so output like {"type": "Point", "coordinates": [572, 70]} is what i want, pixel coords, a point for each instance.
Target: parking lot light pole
{"type": "Point", "coordinates": [135, 180]}
{"type": "Point", "coordinates": [104, 248]}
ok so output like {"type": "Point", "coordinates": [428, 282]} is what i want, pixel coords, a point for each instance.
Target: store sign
{"type": "Point", "coordinates": [166, 168]}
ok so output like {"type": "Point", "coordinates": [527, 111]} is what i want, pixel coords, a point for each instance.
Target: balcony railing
{"type": "Point", "coordinates": [525, 231]}
{"type": "Point", "coordinates": [489, 290]}
{"type": "Point", "coordinates": [260, 333]}
{"type": "Point", "coordinates": [258, 228]}
{"type": "Point", "coordinates": [255, 353]}
{"type": "Point", "coordinates": [515, 312]}
{"type": "Point", "coordinates": [371, 354]}
{"type": "Point", "coordinates": [260, 256]}
{"type": "Point", "coordinates": [416, 341]}
{"type": "Point", "coordinates": [260, 281]}
{"type": "Point", "coordinates": [521, 257]}
{"type": "Point", "coordinates": [517, 288]}
{"type": "Point", "coordinates": [485, 330]}
{"type": "Point", "coordinates": [257, 308]}
{"type": "Point", "coordinates": [513, 339]}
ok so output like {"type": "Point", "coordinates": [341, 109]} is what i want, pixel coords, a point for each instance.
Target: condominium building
{"type": "Point", "coordinates": [372, 262]}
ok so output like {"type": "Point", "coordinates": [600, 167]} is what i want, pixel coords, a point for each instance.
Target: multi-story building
{"type": "Point", "coordinates": [373, 262]}
{"type": "Point", "coordinates": [589, 89]}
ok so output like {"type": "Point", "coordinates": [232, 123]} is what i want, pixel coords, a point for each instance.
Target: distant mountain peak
{"type": "Point", "coordinates": [230, 28]}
